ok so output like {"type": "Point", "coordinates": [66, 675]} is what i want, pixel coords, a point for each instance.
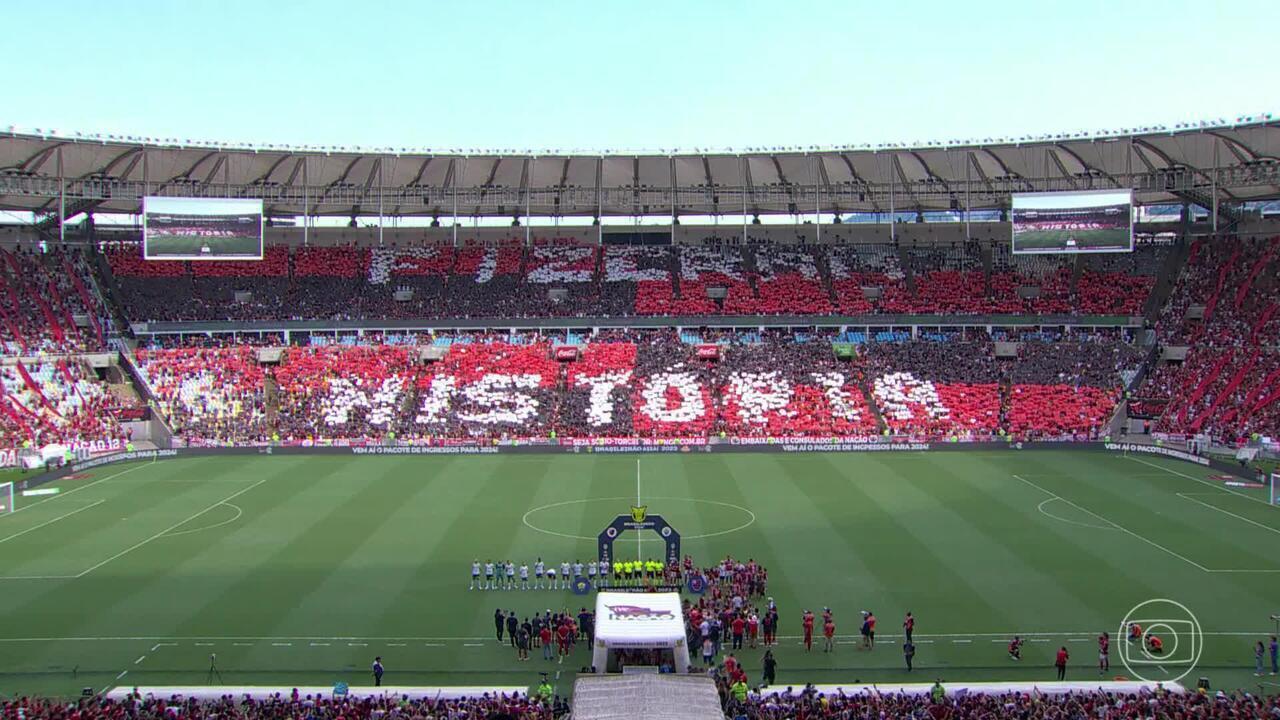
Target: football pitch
{"type": "Point", "coordinates": [1052, 240]}
{"type": "Point", "coordinates": [300, 569]}
{"type": "Point", "coordinates": [185, 246]}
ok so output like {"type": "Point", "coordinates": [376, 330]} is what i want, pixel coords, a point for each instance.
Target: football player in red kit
{"type": "Point", "coordinates": [808, 631]}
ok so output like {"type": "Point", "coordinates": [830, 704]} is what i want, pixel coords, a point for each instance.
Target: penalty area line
{"type": "Point", "coordinates": [1196, 479]}
{"type": "Point", "coordinates": [1187, 496]}
{"type": "Point", "coordinates": [175, 526]}
{"type": "Point", "coordinates": [1116, 525]}
{"type": "Point", "coordinates": [50, 522]}
{"type": "Point", "coordinates": [86, 486]}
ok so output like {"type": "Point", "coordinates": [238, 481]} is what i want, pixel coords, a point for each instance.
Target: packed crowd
{"type": "Point", "coordinates": [805, 703]}
{"type": "Point", "coordinates": [563, 277]}
{"type": "Point", "coordinates": [56, 402]}
{"type": "Point", "coordinates": [1226, 309]}
{"type": "Point", "coordinates": [208, 392]}
{"type": "Point", "coordinates": [654, 384]}
{"type": "Point", "coordinates": [808, 703]}
{"type": "Point", "coordinates": [287, 705]}
{"type": "Point", "coordinates": [40, 296]}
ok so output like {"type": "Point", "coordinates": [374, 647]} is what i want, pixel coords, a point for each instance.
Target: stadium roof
{"type": "Point", "coordinates": [1241, 161]}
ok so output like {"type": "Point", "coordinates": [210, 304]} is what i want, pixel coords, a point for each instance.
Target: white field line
{"type": "Point", "coordinates": [639, 549]}
{"type": "Point", "coordinates": [1116, 525]}
{"type": "Point", "coordinates": [1077, 523]}
{"type": "Point", "coordinates": [40, 577]}
{"type": "Point", "coordinates": [237, 516]}
{"type": "Point", "coordinates": [139, 660]}
{"type": "Point", "coordinates": [1186, 496]}
{"type": "Point", "coordinates": [50, 522]}
{"type": "Point", "coordinates": [175, 526]}
{"type": "Point", "coordinates": [86, 486]}
{"type": "Point", "coordinates": [1219, 488]}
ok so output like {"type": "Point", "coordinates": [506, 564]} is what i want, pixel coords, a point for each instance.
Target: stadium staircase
{"type": "Point", "coordinates": [751, 270]}
{"type": "Point", "coordinates": [909, 276]}
{"type": "Point", "coordinates": [1166, 280]}
{"type": "Point", "coordinates": [985, 254]}
{"type": "Point", "coordinates": [824, 276]}
{"type": "Point", "coordinates": [1077, 269]}
{"type": "Point", "coordinates": [87, 299]}
{"type": "Point", "coordinates": [107, 287]}
{"type": "Point", "coordinates": [271, 399]}
{"type": "Point", "coordinates": [869, 399]}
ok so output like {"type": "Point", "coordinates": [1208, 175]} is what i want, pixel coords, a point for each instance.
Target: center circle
{"type": "Point", "coordinates": [747, 519]}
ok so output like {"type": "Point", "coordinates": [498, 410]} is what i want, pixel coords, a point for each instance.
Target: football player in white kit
{"type": "Point", "coordinates": [524, 576]}
{"type": "Point", "coordinates": [475, 573]}
{"type": "Point", "coordinates": [539, 569]}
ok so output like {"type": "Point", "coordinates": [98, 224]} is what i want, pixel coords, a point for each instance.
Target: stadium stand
{"type": "Point", "coordinates": [55, 402]}
{"type": "Point", "coordinates": [40, 295]}
{"type": "Point", "coordinates": [657, 384]}
{"type": "Point", "coordinates": [1225, 310]}
{"type": "Point", "coordinates": [767, 704]}
{"type": "Point", "coordinates": [558, 276]}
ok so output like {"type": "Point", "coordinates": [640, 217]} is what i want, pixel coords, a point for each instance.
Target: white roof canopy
{"type": "Point", "coordinates": [1240, 161]}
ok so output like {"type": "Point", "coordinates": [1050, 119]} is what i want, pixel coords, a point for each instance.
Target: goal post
{"type": "Point", "coordinates": [6, 498]}
{"type": "Point", "coordinates": [1274, 488]}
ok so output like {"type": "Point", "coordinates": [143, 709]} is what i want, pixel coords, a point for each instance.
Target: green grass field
{"type": "Point", "coordinates": [1112, 238]}
{"type": "Point", "coordinates": [189, 246]}
{"type": "Point", "coordinates": [299, 569]}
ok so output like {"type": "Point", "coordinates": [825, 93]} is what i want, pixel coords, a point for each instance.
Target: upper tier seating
{"type": "Point", "coordinates": [561, 277]}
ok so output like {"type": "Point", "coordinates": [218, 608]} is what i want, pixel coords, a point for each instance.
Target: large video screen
{"type": "Point", "coordinates": [1073, 222]}
{"type": "Point", "coordinates": [201, 229]}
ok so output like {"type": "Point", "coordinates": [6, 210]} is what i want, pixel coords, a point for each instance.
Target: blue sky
{"type": "Point", "coordinates": [619, 76]}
